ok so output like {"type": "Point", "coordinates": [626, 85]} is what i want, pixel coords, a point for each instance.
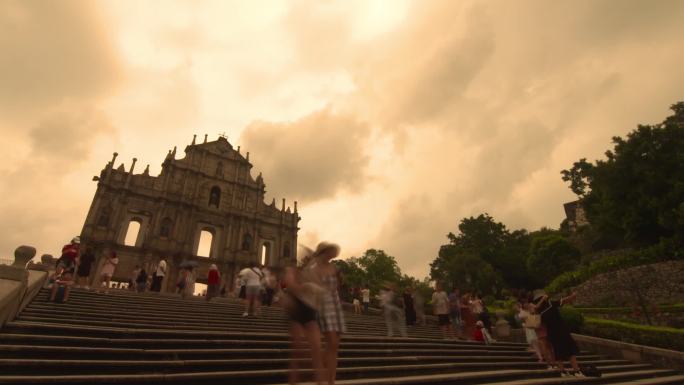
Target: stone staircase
{"type": "Point", "coordinates": [130, 338]}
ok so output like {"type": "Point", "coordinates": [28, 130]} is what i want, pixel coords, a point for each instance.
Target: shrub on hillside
{"type": "Point", "coordinates": [666, 250]}
{"type": "Point", "coordinates": [662, 337]}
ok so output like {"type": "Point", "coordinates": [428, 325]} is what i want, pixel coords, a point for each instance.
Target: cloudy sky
{"type": "Point", "coordinates": [388, 121]}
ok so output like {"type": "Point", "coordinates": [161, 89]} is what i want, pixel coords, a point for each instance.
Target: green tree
{"type": "Point", "coordinates": [635, 196]}
{"type": "Point", "coordinates": [485, 255]}
{"type": "Point", "coordinates": [551, 255]}
{"type": "Point", "coordinates": [460, 267]}
{"type": "Point", "coordinates": [379, 267]}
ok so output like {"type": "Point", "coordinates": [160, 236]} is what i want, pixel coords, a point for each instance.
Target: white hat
{"type": "Point", "coordinates": [213, 267]}
{"type": "Point", "coordinates": [76, 239]}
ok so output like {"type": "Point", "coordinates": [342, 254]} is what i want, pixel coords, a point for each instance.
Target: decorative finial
{"type": "Point", "coordinates": [147, 170]}
{"type": "Point", "coordinates": [193, 138]}
{"type": "Point", "coordinates": [205, 138]}
{"type": "Point", "coordinates": [223, 135]}
{"type": "Point", "coordinates": [248, 156]}
{"type": "Point", "coordinates": [173, 153]}
{"type": "Point", "coordinates": [238, 149]}
{"type": "Point", "coordinates": [111, 164]}
{"type": "Point", "coordinates": [295, 206]}
{"type": "Point", "coordinates": [283, 207]}
{"type": "Point", "coordinates": [132, 165]}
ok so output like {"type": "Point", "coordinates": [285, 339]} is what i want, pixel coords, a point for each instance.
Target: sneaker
{"type": "Point", "coordinates": [86, 287]}
{"type": "Point", "coordinates": [245, 314]}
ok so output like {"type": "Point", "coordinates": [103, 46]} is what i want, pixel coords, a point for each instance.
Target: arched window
{"type": "Point", "coordinates": [166, 228]}
{"type": "Point", "coordinates": [286, 250]}
{"type": "Point", "coordinates": [132, 232]}
{"type": "Point", "coordinates": [204, 247]}
{"type": "Point", "coordinates": [103, 218]}
{"type": "Point", "coordinates": [215, 196]}
{"type": "Point", "coordinates": [247, 242]}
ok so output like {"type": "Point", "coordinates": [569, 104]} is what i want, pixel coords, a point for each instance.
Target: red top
{"type": "Point", "coordinates": [477, 335]}
{"type": "Point", "coordinates": [70, 251]}
{"type": "Point", "coordinates": [213, 278]}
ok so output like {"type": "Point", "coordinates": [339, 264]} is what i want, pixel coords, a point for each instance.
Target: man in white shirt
{"type": "Point", "coordinates": [159, 275]}
{"type": "Point", "coordinates": [440, 306]}
{"type": "Point", "coordinates": [253, 277]}
{"type": "Point", "coordinates": [365, 298]}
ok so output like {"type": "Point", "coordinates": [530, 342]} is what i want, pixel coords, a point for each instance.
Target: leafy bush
{"type": "Point", "coordinates": [666, 250]}
{"type": "Point", "coordinates": [662, 337]}
{"type": "Point", "coordinates": [572, 317]}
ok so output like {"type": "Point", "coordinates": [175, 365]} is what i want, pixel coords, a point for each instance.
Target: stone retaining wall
{"type": "Point", "coordinates": [659, 283]}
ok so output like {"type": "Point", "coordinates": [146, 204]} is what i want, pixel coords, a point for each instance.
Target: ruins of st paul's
{"type": "Point", "coordinates": [210, 190]}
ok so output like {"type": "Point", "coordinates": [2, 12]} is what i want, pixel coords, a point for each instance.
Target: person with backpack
{"type": "Point", "coordinates": [64, 272]}
{"type": "Point", "coordinates": [252, 277]}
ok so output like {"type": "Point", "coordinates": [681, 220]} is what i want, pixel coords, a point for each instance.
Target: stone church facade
{"type": "Point", "coordinates": [209, 193]}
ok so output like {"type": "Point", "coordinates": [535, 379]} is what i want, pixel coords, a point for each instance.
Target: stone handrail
{"type": "Point", "coordinates": [19, 286]}
{"type": "Point", "coordinates": [637, 353]}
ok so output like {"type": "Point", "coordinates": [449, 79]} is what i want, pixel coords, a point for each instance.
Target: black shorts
{"type": "Point", "coordinates": [301, 313]}
{"type": "Point", "coordinates": [443, 319]}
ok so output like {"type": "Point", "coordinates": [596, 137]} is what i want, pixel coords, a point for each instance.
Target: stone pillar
{"type": "Point", "coordinates": [22, 255]}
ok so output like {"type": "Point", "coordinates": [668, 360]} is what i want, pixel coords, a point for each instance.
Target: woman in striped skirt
{"type": "Point", "coordinates": [330, 316]}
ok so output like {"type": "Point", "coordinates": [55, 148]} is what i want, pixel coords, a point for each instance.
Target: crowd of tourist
{"type": "Point", "coordinates": [309, 294]}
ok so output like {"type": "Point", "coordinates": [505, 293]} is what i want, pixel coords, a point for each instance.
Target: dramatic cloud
{"type": "Point", "coordinates": [57, 65]}
{"type": "Point", "coordinates": [311, 158]}
{"type": "Point", "coordinates": [388, 120]}
{"type": "Point", "coordinates": [51, 52]}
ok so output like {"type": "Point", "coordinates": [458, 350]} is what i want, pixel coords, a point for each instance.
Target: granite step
{"type": "Point", "coordinates": [53, 328]}
{"type": "Point", "coordinates": [145, 338]}
{"type": "Point", "coordinates": [277, 376]}
{"type": "Point", "coordinates": [401, 364]}
{"type": "Point", "coordinates": [46, 339]}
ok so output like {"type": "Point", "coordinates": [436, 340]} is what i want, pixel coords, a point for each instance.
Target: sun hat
{"type": "Point", "coordinates": [325, 246]}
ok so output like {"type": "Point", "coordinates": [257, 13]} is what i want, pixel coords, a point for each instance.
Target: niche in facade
{"type": "Point", "coordinates": [215, 196]}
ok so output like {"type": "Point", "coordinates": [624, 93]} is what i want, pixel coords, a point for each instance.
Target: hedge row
{"type": "Point", "coordinates": [678, 308]}
{"type": "Point", "coordinates": [666, 250]}
{"type": "Point", "coordinates": [662, 337]}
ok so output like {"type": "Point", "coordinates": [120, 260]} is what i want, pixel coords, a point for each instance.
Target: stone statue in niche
{"type": "Point", "coordinates": [214, 196]}
{"type": "Point", "coordinates": [219, 170]}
